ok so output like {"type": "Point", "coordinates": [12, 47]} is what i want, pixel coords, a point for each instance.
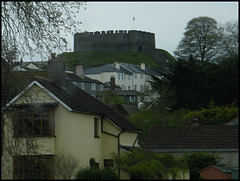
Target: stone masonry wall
{"type": "Point", "coordinates": [122, 40]}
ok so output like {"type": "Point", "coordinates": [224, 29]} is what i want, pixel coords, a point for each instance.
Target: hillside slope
{"type": "Point", "coordinates": [97, 58]}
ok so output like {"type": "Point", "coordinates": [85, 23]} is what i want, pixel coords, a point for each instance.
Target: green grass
{"type": "Point", "coordinates": [97, 58]}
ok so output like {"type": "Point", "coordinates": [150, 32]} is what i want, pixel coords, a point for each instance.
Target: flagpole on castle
{"type": "Point", "coordinates": [133, 22]}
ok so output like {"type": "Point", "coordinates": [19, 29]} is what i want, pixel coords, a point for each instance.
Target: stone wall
{"type": "Point", "coordinates": [122, 40]}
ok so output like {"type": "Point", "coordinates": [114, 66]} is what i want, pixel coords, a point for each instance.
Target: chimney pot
{"type": "Point", "coordinates": [79, 70]}
{"type": "Point", "coordinates": [143, 66]}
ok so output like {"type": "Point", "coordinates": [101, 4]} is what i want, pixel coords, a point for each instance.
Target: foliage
{"type": "Point", "coordinates": [111, 97]}
{"type": "Point", "coordinates": [192, 84]}
{"type": "Point", "coordinates": [97, 58]}
{"type": "Point", "coordinates": [65, 165]}
{"type": "Point", "coordinates": [230, 38]}
{"type": "Point", "coordinates": [198, 161]}
{"type": "Point", "coordinates": [141, 164]}
{"type": "Point", "coordinates": [213, 115]}
{"type": "Point", "coordinates": [38, 27]}
{"type": "Point", "coordinates": [96, 174]}
{"type": "Point", "coordinates": [146, 119]}
{"type": "Point", "coordinates": [201, 39]}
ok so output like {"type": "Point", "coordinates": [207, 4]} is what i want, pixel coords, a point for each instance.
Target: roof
{"type": "Point", "coordinates": [210, 137]}
{"type": "Point", "coordinates": [103, 68]}
{"type": "Point", "coordinates": [80, 101]}
{"type": "Point", "coordinates": [74, 77]}
{"type": "Point", "coordinates": [126, 68]}
{"type": "Point", "coordinates": [216, 167]}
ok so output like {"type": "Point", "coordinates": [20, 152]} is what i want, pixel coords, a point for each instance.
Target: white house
{"type": "Point", "coordinates": [127, 76]}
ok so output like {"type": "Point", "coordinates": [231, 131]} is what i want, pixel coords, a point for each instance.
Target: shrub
{"type": "Point", "coordinates": [96, 174]}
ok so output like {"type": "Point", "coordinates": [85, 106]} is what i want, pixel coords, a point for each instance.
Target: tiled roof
{"type": "Point", "coordinates": [80, 101]}
{"type": "Point", "coordinates": [192, 137]}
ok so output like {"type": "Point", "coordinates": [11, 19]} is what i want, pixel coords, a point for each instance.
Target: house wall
{"type": "Point", "coordinates": [105, 77]}
{"type": "Point", "coordinates": [74, 135]}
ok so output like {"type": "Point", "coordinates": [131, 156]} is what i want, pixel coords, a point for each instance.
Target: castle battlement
{"type": "Point", "coordinates": [118, 40]}
{"type": "Point", "coordinates": [112, 32]}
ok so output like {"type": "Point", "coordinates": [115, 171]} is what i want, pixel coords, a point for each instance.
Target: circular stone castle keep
{"type": "Point", "coordinates": [122, 40]}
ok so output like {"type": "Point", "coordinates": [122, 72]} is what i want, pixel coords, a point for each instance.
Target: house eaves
{"type": "Point", "coordinates": [75, 100]}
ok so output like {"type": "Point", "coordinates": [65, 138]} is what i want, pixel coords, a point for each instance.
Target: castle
{"type": "Point", "coordinates": [122, 40]}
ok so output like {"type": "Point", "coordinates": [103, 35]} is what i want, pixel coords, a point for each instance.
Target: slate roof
{"type": "Point", "coordinates": [192, 137]}
{"type": "Point", "coordinates": [74, 77]}
{"type": "Point", "coordinates": [126, 68]}
{"type": "Point", "coordinates": [103, 68]}
{"type": "Point", "coordinates": [80, 101]}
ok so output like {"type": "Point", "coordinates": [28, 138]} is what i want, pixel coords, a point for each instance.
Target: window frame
{"type": "Point", "coordinates": [93, 86]}
{"type": "Point", "coordinates": [35, 162]}
{"type": "Point", "coordinates": [26, 126]}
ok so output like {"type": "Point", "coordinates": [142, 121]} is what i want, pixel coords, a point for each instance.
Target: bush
{"type": "Point", "coordinates": [96, 174]}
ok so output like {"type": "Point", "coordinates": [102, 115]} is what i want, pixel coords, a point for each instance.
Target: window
{"type": "Point", "coordinates": [129, 87]}
{"type": "Point", "coordinates": [101, 87]}
{"type": "Point", "coordinates": [132, 98]}
{"type": "Point", "coordinates": [93, 86]}
{"type": "Point", "coordinates": [82, 85]}
{"type": "Point", "coordinates": [96, 128]}
{"type": "Point", "coordinates": [129, 77]}
{"type": "Point", "coordinates": [135, 87]}
{"type": "Point", "coordinates": [33, 167]}
{"type": "Point", "coordinates": [34, 121]}
{"type": "Point", "coordinates": [135, 76]}
{"type": "Point", "coordinates": [119, 76]}
{"type": "Point", "coordinates": [141, 76]}
{"type": "Point", "coordinates": [108, 163]}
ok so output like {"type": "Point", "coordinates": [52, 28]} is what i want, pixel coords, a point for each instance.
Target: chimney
{"type": "Point", "coordinates": [79, 71]}
{"type": "Point", "coordinates": [143, 66]}
{"type": "Point", "coordinates": [112, 83]}
{"type": "Point", "coordinates": [117, 65]}
{"type": "Point", "coordinates": [56, 70]}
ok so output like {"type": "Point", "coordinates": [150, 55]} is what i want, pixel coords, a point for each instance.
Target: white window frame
{"type": "Point", "coordinates": [82, 85]}
{"type": "Point", "coordinates": [93, 86]}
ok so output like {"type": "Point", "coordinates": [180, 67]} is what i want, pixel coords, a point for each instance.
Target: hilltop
{"type": "Point", "coordinates": [98, 58]}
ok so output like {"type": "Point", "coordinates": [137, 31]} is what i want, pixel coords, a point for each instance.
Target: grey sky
{"type": "Point", "coordinates": [167, 20]}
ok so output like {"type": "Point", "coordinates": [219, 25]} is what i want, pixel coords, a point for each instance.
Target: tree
{"type": "Point", "coordinates": [194, 83]}
{"type": "Point", "coordinates": [65, 165]}
{"type": "Point", "coordinates": [201, 39]}
{"type": "Point", "coordinates": [38, 27]}
{"type": "Point", "coordinates": [198, 161]}
{"type": "Point", "coordinates": [142, 164]}
{"type": "Point", "coordinates": [230, 38]}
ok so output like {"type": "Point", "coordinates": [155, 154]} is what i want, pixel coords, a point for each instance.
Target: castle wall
{"type": "Point", "coordinates": [122, 40]}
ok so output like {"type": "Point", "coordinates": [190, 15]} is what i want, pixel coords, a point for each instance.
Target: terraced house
{"type": "Point", "coordinates": [52, 116]}
{"type": "Point", "coordinates": [127, 76]}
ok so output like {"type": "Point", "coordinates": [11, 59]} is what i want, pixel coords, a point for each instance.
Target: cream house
{"type": "Point", "coordinates": [127, 76]}
{"type": "Point", "coordinates": [63, 119]}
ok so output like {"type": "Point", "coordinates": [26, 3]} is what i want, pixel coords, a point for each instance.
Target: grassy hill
{"type": "Point", "coordinates": [97, 58]}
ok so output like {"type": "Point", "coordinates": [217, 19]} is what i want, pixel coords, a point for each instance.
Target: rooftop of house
{"type": "Point", "coordinates": [126, 68]}
{"type": "Point", "coordinates": [192, 137]}
{"type": "Point", "coordinates": [80, 101]}
{"type": "Point", "coordinates": [74, 77]}
{"type": "Point", "coordinates": [224, 170]}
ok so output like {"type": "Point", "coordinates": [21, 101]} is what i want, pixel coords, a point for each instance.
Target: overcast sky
{"type": "Point", "coordinates": [167, 20]}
